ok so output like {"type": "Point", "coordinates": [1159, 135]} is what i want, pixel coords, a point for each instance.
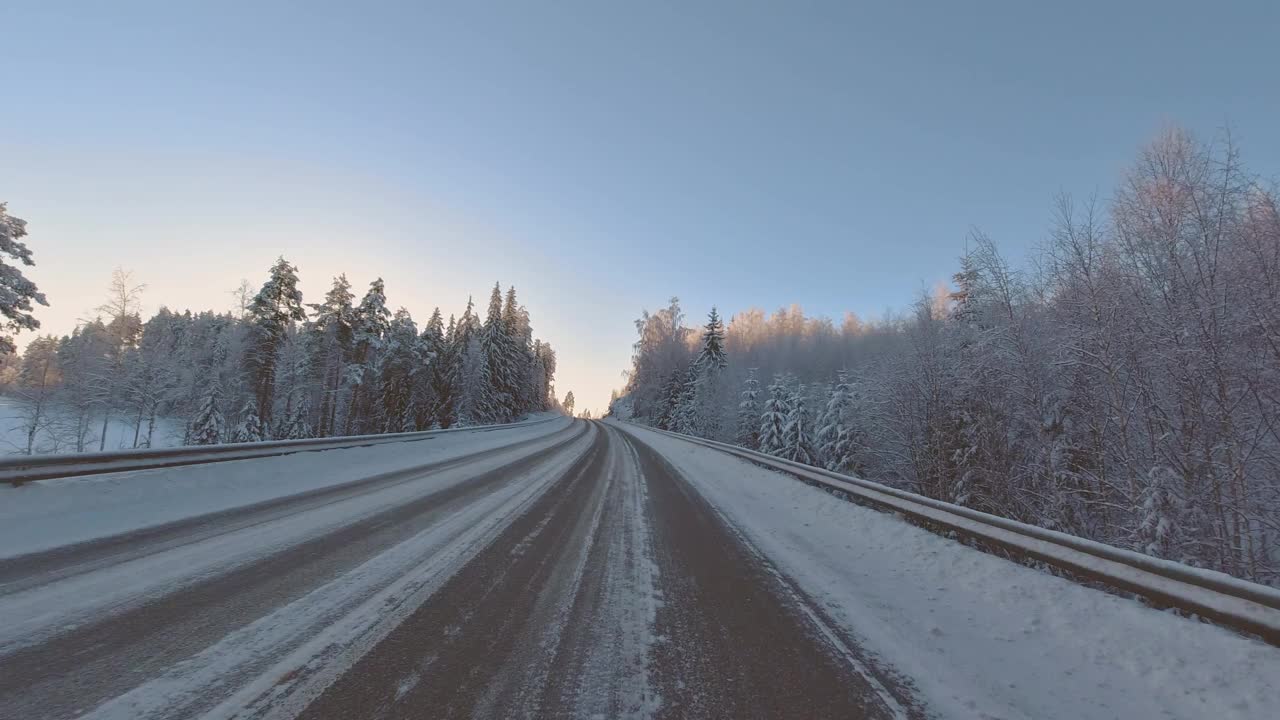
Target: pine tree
{"type": "Point", "coordinates": [273, 310]}
{"type": "Point", "coordinates": [797, 441]}
{"type": "Point", "coordinates": [773, 422]}
{"type": "Point", "coordinates": [17, 293]}
{"type": "Point", "coordinates": [208, 425]}
{"type": "Point", "coordinates": [748, 435]}
{"type": "Point", "coordinates": [330, 339]}
{"type": "Point", "coordinates": [372, 321]}
{"type": "Point", "coordinates": [250, 428]}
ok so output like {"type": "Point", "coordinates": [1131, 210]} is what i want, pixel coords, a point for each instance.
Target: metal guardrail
{"type": "Point", "coordinates": [26, 468]}
{"type": "Point", "coordinates": [1224, 599]}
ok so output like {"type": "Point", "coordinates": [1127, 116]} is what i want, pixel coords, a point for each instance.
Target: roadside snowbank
{"type": "Point", "coordinates": [50, 513]}
{"type": "Point", "coordinates": [977, 635]}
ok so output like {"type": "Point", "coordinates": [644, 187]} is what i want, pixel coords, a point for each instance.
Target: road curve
{"type": "Point", "coordinates": [574, 576]}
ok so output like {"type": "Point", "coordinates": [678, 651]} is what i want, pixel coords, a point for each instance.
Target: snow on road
{"type": "Point", "coordinates": [49, 513]}
{"type": "Point", "coordinates": [56, 607]}
{"type": "Point", "coordinates": [979, 636]}
{"type": "Point", "coordinates": [293, 653]}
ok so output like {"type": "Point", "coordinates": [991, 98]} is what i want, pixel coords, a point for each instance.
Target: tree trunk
{"type": "Point", "coordinates": [106, 418]}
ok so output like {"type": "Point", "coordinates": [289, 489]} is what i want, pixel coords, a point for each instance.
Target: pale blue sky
{"type": "Point", "coordinates": [601, 156]}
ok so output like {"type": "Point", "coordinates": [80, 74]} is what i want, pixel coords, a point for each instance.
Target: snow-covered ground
{"type": "Point", "coordinates": [300, 647]}
{"type": "Point", "coordinates": [978, 636]}
{"type": "Point", "coordinates": [49, 513]}
{"type": "Point", "coordinates": [61, 605]}
{"type": "Point", "coordinates": [55, 435]}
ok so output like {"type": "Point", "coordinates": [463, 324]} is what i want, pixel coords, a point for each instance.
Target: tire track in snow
{"type": "Point", "coordinates": [734, 641]}
{"type": "Point", "coordinates": [276, 664]}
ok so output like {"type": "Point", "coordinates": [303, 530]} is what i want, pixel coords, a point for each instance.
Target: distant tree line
{"type": "Point", "coordinates": [1124, 388]}
{"type": "Point", "coordinates": [276, 368]}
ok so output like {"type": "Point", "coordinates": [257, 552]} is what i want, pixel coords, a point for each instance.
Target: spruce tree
{"type": "Point", "coordinates": [669, 407]}
{"type": "Point", "coordinates": [397, 369]}
{"type": "Point", "coordinates": [208, 425]}
{"type": "Point", "coordinates": [466, 371]}
{"type": "Point", "coordinates": [1158, 511]}
{"type": "Point", "coordinates": [520, 346]}
{"type": "Point", "coordinates": [684, 416]}
{"type": "Point", "coordinates": [797, 435]}
{"type": "Point", "coordinates": [448, 377]}
{"type": "Point", "coordinates": [836, 439]}
{"type": "Point", "coordinates": [296, 426]}
{"type": "Point", "coordinates": [712, 355]}
{"type": "Point", "coordinates": [748, 435]}
{"type": "Point", "coordinates": [429, 382]}
{"type": "Point", "coordinates": [706, 388]}
{"type": "Point", "coordinates": [773, 422]}
{"type": "Point", "coordinates": [250, 427]}
{"type": "Point", "coordinates": [496, 401]}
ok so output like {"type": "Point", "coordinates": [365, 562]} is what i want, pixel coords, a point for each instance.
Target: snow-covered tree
{"type": "Point", "coordinates": [496, 401]}
{"type": "Point", "coordinates": [330, 336]}
{"type": "Point", "coordinates": [1158, 519]}
{"type": "Point", "coordinates": [17, 293]}
{"type": "Point", "coordinates": [774, 421]}
{"type": "Point", "coordinates": [249, 429]}
{"type": "Point", "coordinates": [208, 426]}
{"type": "Point", "coordinates": [271, 315]}
{"type": "Point", "coordinates": [39, 376]}
{"type": "Point", "coordinates": [797, 434]}
{"type": "Point", "coordinates": [1142, 336]}
{"type": "Point", "coordinates": [748, 433]}
{"type": "Point", "coordinates": [398, 371]}
{"type": "Point", "coordinates": [371, 323]}
{"type": "Point", "coordinates": [568, 403]}
{"type": "Point", "coordinates": [836, 438]}
{"type": "Point", "coordinates": [431, 386]}
{"type": "Point", "coordinates": [684, 412]}
{"type": "Point", "coordinates": [84, 359]}
{"type": "Point", "coordinates": [707, 389]}
{"type": "Point", "coordinates": [295, 426]}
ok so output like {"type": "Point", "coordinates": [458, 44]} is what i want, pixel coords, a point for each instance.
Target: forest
{"type": "Point", "coordinates": [1123, 385]}
{"type": "Point", "coordinates": [274, 368]}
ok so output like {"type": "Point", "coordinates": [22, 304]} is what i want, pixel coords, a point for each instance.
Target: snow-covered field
{"type": "Point", "coordinates": [979, 636]}
{"type": "Point", "coordinates": [56, 434]}
{"type": "Point", "coordinates": [49, 513]}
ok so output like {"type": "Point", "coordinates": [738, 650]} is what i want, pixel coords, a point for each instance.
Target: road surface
{"type": "Point", "coordinates": [574, 570]}
{"type": "Point", "coordinates": [603, 586]}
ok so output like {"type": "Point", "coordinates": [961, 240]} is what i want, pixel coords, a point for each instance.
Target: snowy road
{"type": "Point", "coordinates": [572, 570]}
